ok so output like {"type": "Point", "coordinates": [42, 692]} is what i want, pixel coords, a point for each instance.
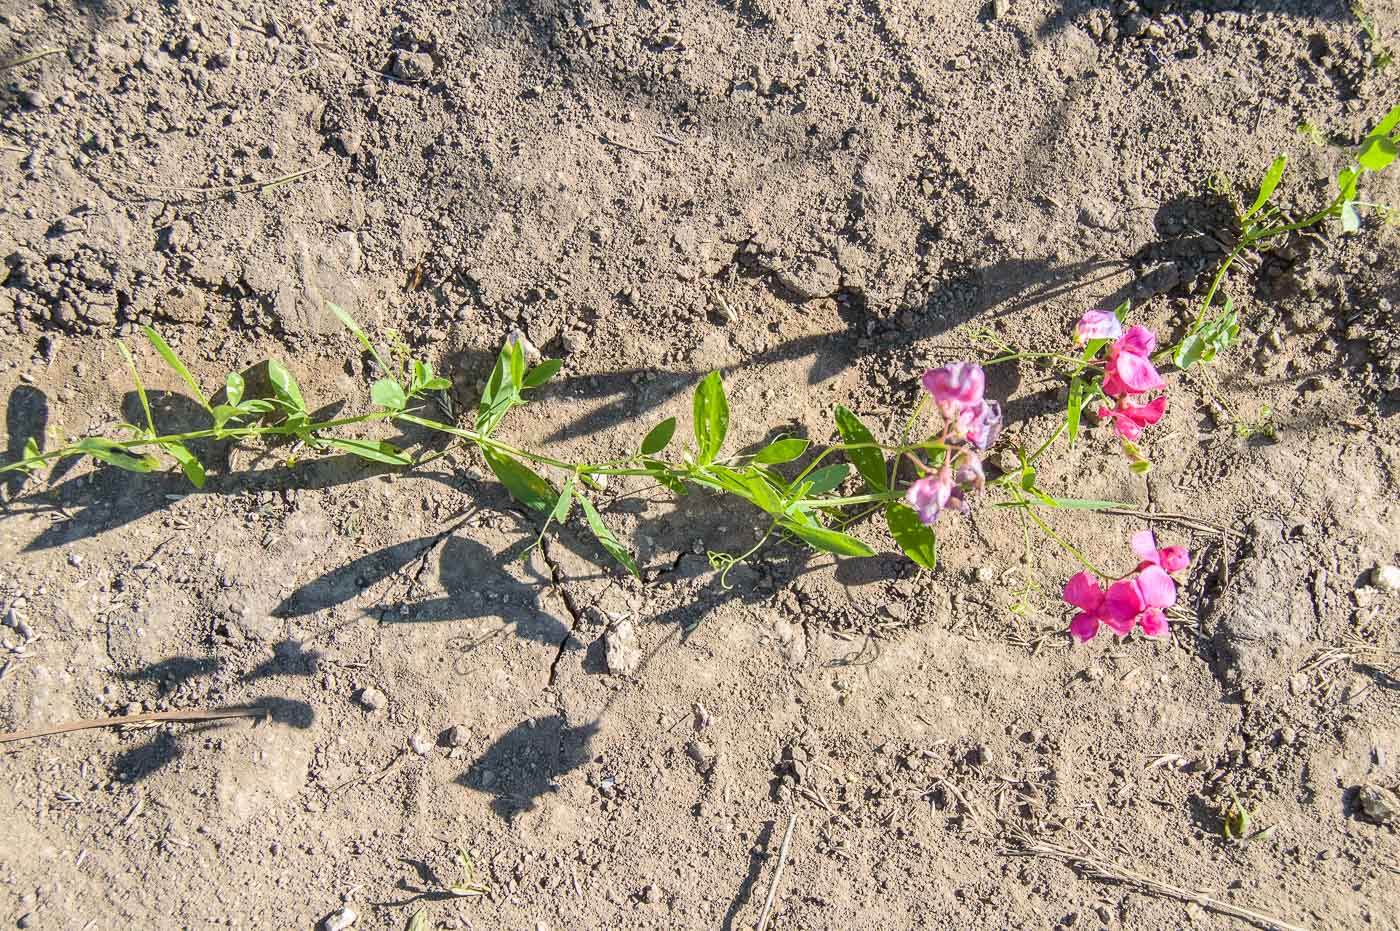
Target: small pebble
{"type": "Point", "coordinates": [373, 699]}
{"type": "Point", "coordinates": [457, 736]}
{"type": "Point", "coordinates": [419, 744]}
{"type": "Point", "coordinates": [651, 895]}
{"type": "Point", "coordinates": [1386, 578]}
{"type": "Point", "coordinates": [339, 921]}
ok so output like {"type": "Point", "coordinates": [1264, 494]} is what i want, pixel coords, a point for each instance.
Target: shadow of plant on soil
{"type": "Point", "coordinates": [527, 762]}
{"type": "Point", "coordinates": [147, 757]}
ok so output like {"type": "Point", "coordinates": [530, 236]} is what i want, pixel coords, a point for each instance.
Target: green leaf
{"type": "Point", "coordinates": [257, 406]}
{"type": "Point", "coordinates": [500, 392]}
{"type": "Point", "coordinates": [374, 451]}
{"type": "Point", "coordinates": [1086, 504]}
{"type": "Point", "coordinates": [1376, 153]}
{"type": "Point", "coordinates": [542, 373]}
{"type": "Point", "coordinates": [711, 411]}
{"type": "Point", "coordinates": [1346, 182]}
{"type": "Point", "coordinates": [112, 454]}
{"type": "Point", "coordinates": [780, 451]}
{"type": "Point", "coordinates": [388, 393]}
{"type": "Point", "coordinates": [827, 478]}
{"type": "Point", "coordinates": [916, 540]}
{"type": "Point", "coordinates": [140, 388]}
{"type": "Point", "coordinates": [605, 537]}
{"type": "Point", "coordinates": [517, 364]}
{"type": "Point", "coordinates": [1075, 407]}
{"type": "Point", "coordinates": [285, 387]}
{"type": "Point", "coordinates": [354, 327]}
{"type": "Point", "coordinates": [1140, 467]}
{"type": "Point", "coordinates": [662, 473]}
{"type": "Point", "coordinates": [1189, 350]}
{"type": "Point", "coordinates": [566, 501]}
{"type": "Point", "coordinates": [1388, 123]}
{"type": "Point", "coordinates": [1351, 220]}
{"type": "Point", "coordinates": [658, 437]}
{"type": "Point", "coordinates": [436, 384]}
{"type": "Point", "coordinates": [233, 389]}
{"type": "Point", "coordinates": [419, 921]}
{"type": "Point", "coordinates": [869, 461]}
{"type": "Point", "coordinates": [828, 541]}
{"type": "Point", "coordinates": [192, 467]}
{"type": "Point", "coordinates": [174, 362]}
{"type": "Point", "coordinates": [524, 484]}
{"type": "Point", "coordinates": [1266, 188]}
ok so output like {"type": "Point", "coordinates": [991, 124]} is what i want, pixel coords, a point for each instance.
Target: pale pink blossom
{"type": "Point", "coordinates": [1097, 324]}
{"type": "Point", "coordinates": [955, 387]}
{"type": "Point", "coordinates": [1130, 419]}
{"type": "Point", "coordinates": [931, 494]}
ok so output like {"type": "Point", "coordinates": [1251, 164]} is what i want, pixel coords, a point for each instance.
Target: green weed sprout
{"type": "Point", "coordinates": [1264, 221]}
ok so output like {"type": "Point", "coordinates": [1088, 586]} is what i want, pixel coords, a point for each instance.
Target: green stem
{"type": "Point", "coordinates": [1064, 544]}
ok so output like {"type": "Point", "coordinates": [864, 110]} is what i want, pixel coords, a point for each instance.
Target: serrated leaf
{"type": "Point", "coordinates": [524, 484]}
{"type": "Point", "coordinates": [1376, 153]}
{"type": "Point", "coordinates": [828, 541]}
{"type": "Point", "coordinates": [913, 537]}
{"type": "Point", "coordinates": [191, 466]}
{"type": "Point", "coordinates": [869, 460]}
{"type": "Point", "coordinates": [827, 478]}
{"type": "Point", "coordinates": [606, 538]}
{"type": "Point", "coordinates": [286, 388]}
{"type": "Point", "coordinates": [1074, 409]}
{"type": "Point", "coordinates": [388, 393]}
{"type": "Point", "coordinates": [112, 454]}
{"type": "Point", "coordinates": [233, 389]}
{"type": "Point", "coordinates": [1267, 186]}
{"type": "Point", "coordinates": [374, 451]}
{"type": "Point", "coordinates": [542, 373]}
{"type": "Point", "coordinates": [780, 451]}
{"type": "Point", "coordinates": [658, 437]}
{"type": "Point", "coordinates": [174, 362]}
{"type": "Point", "coordinates": [711, 413]}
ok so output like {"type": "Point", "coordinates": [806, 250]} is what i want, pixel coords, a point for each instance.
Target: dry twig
{"type": "Point", "coordinates": [778, 873]}
{"type": "Point", "coordinates": [242, 711]}
{"type": "Point", "coordinates": [1091, 864]}
{"type": "Point", "coordinates": [243, 188]}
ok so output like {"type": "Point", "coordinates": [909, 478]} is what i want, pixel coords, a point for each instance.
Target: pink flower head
{"type": "Point", "coordinates": [970, 471]}
{"type": "Point", "coordinates": [1130, 369]}
{"type": "Point", "coordinates": [980, 423]}
{"type": "Point", "coordinates": [1097, 324]}
{"type": "Point", "coordinates": [1170, 558]}
{"type": "Point", "coordinates": [1118, 607]}
{"type": "Point", "coordinates": [955, 386]}
{"type": "Point", "coordinates": [931, 494]}
{"type": "Point", "coordinates": [1130, 419]}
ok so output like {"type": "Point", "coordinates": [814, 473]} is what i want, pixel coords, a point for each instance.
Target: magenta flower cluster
{"type": "Point", "coordinates": [1140, 600]}
{"type": "Point", "coordinates": [971, 425]}
{"type": "Point", "coordinates": [1128, 373]}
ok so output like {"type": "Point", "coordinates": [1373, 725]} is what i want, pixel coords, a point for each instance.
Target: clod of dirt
{"type": "Point", "coordinates": [1265, 614]}
{"type": "Point", "coordinates": [412, 66]}
{"type": "Point", "coordinates": [339, 921]}
{"type": "Point", "coordinates": [1386, 578]}
{"type": "Point", "coordinates": [419, 744]}
{"type": "Point", "coordinates": [373, 699]}
{"type": "Point", "coordinates": [702, 754]}
{"type": "Point", "coordinates": [1379, 804]}
{"type": "Point", "coordinates": [456, 736]}
{"type": "Point", "coordinates": [621, 650]}
{"type": "Point", "coordinates": [811, 277]}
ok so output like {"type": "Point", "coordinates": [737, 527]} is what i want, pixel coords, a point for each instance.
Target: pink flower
{"type": "Point", "coordinates": [1097, 324]}
{"type": "Point", "coordinates": [980, 423]}
{"type": "Point", "coordinates": [955, 387]}
{"type": "Point", "coordinates": [1130, 419]}
{"type": "Point", "coordinates": [931, 494]}
{"type": "Point", "coordinates": [1170, 558]}
{"type": "Point", "coordinates": [970, 471]}
{"type": "Point", "coordinates": [1130, 369]}
{"type": "Point", "coordinates": [1118, 607]}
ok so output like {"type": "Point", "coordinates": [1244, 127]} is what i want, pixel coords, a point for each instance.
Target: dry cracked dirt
{"type": "Point", "coordinates": [819, 199]}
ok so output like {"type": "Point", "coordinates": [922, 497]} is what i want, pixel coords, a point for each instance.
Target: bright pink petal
{"type": "Point", "coordinates": [961, 383]}
{"type": "Point", "coordinates": [1138, 341]}
{"type": "Point", "coordinates": [1083, 591]}
{"type": "Point", "coordinates": [1157, 588]}
{"type": "Point", "coordinates": [1113, 385]}
{"type": "Point", "coordinates": [1136, 372]}
{"type": "Point", "coordinates": [1144, 544]}
{"type": "Point", "coordinates": [1174, 558]}
{"type": "Point", "coordinates": [1127, 428]}
{"type": "Point", "coordinates": [1083, 627]}
{"type": "Point", "coordinates": [1154, 622]}
{"type": "Point", "coordinates": [1097, 324]}
{"type": "Point", "coordinates": [1152, 411]}
{"type": "Point", "coordinates": [1122, 603]}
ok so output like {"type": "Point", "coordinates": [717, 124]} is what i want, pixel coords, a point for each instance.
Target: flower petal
{"type": "Point", "coordinates": [1138, 341]}
{"type": "Point", "coordinates": [1083, 591]}
{"type": "Point", "coordinates": [1097, 324]}
{"type": "Point", "coordinates": [1157, 588]}
{"type": "Point", "coordinates": [961, 383]}
{"type": "Point", "coordinates": [1154, 622]}
{"type": "Point", "coordinates": [1083, 627]}
{"type": "Point", "coordinates": [1137, 373]}
{"type": "Point", "coordinates": [1122, 603]}
{"type": "Point", "coordinates": [1174, 558]}
{"type": "Point", "coordinates": [1144, 544]}
{"type": "Point", "coordinates": [1113, 385]}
